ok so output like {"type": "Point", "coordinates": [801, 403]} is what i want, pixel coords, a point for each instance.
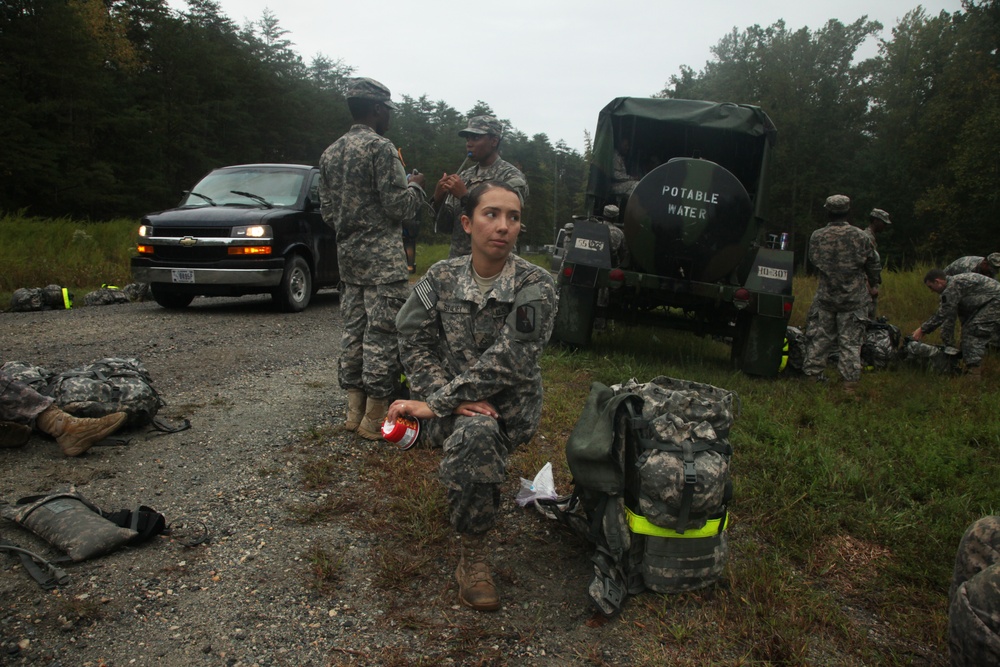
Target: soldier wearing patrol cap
{"type": "Point", "coordinates": [365, 195]}
{"type": "Point", "coordinates": [847, 263]}
{"type": "Point", "coordinates": [878, 220]}
{"type": "Point", "coordinates": [482, 135]}
{"type": "Point", "coordinates": [986, 266]}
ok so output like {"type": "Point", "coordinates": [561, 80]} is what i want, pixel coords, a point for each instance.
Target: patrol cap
{"type": "Point", "coordinates": [879, 214]}
{"type": "Point", "coordinates": [362, 88]}
{"type": "Point", "coordinates": [994, 259]}
{"type": "Point", "coordinates": [610, 212]}
{"type": "Point", "coordinates": [838, 204]}
{"type": "Point", "coordinates": [483, 125]}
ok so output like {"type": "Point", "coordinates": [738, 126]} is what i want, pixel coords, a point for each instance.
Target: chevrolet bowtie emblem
{"type": "Point", "coordinates": [188, 241]}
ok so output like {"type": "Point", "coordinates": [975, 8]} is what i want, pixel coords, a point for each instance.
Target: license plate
{"type": "Point", "coordinates": [182, 275]}
{"type": "Point", "coordinates": [768, 272]}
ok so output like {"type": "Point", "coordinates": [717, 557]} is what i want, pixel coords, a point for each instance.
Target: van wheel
{"type": "Point", "coordinates": [295, 291]}
{"type": "Point", "coordinates": [167, 298]}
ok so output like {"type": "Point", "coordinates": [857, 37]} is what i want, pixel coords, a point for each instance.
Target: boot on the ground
{"type": "Point", "coordinates": [13, 434]}
{"type": "Point", "coordinates": [850, 387]}
{"type": "Point", "coordinates": [76, 435]}
{"type": "Point", "coordinates": [355, 408]}
{"type": "Point", "coordinates": [475, 582]}
{"type": "Point", "coordinates": [370, 427]}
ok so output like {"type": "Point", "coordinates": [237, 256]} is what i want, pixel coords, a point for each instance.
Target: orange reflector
{"type": "Point", "coordinates": [145, 249]}
{"type": "Point", "coordinates": [250, 250]}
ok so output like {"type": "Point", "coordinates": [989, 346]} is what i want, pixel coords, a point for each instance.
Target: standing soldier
{"type": "Point", "coordinates": [365, 196]}
{"type": "Point", "coordinates": [847, 263]}
{"type": "Point", "coordinates": [878, 220]}
{"type": "Point", "coordinates": [470, 337]}
{"type": "Point", "coordinates": [986, 266]}
{"type": "Point", "coordinates": [975, 300]}
{"type": "Point", "coordinates": [482, 144]}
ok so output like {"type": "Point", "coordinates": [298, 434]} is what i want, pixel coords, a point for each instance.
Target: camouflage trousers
{"type": "Point", "coordinates": [824, 328]}
{"type": "Point", "coordinates": [978, 332]}
{"type": "Point", "coordinates": [974, 613]}
{"type": "Point", "coordinates": [473, 467]}
{"type": "Point", "coordinates": [19, 402]}
{"type": "Point", "coordinates": [369, 349]}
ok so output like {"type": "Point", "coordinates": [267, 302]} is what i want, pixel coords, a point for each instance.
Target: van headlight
{"type": "Point", "coordinates": [252, 232]}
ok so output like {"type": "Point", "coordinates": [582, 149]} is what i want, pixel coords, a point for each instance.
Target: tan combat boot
{"type": "Point", "coordinates": [371, 425]}
{"type": "Point", "coordinates": [475, 583]}
{"type": "Point", "coordinates": [355, 408]}
{"type": "Point", "coordinates": [75, 435]}
{"type": "Point", "coordinates": [13, 434]}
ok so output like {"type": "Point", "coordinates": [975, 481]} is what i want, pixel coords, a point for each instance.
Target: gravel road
{"type": "Point", "coordinates": [257, 386]}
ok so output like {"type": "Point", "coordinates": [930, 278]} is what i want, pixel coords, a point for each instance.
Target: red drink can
{"type": "Point", "coordinates": [403, 432]}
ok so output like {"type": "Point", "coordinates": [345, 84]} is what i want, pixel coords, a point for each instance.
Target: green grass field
{"type": "Point", "coordinates": [847, 510]}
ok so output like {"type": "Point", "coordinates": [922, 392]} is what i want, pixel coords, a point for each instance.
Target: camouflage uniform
{"type": "Point", "coordinates": [873, 305]}
{"type": "Point", "coordinates": [845, 257]}
{"type": "Point", "coordinates": [621, 182]}
{"type": "Point", "coordinates": [968, 264]}
{"type": "Point", "coordinates": [974, 299]}
{"type": "Point", "coordinates": [500, 170]}
{"type": "Point", "coordinates": [18, 402]}
{"type": "Point", "coordinates": [974, 612]}
{"type": "Point", "coordinates": [365, 197]}
{"type": "Point", "coordinates": [457, 346]}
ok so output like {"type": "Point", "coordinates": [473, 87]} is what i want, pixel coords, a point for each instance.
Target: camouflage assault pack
{"type": "Point", "coordinates": [650, 464]}
{"type": "Point", "coordinates": [50, 297]}
{"type": "Point", "coordinates": [933, 358]}
{"type": "Point", "coordinates": [106, 386]}
{"type": "Point", "coordinates": [880, 346]}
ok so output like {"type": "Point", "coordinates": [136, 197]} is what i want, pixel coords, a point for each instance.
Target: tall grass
{"type": "Point", "coordinates": [35, 252]}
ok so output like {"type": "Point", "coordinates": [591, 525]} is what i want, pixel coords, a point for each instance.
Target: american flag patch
{"type": "Point", "coordinates": [426, 294]}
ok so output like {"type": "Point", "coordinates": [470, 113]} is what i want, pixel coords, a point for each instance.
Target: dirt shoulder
{"type": "Point", "coordinates": [280, 582]}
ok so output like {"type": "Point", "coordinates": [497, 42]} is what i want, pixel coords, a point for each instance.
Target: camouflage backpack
{"type": "Point", "coordinates": [880, 346]}
{"type": "Point", "coordinates": [650, 464]}
{"type": "Point", "coordinates": [933, 358]}
{"type": "Point", "coordinates": [106, 386]}
{"type": "Point", "coordinates": [36, 377]}
{"type": "Point", "coordinates": [50, 297]}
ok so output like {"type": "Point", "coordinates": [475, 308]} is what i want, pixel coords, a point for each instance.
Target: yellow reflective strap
{"type": "Point", "coordinates": [67, 300]}
{"type": "Point", "coordinates": [639, 524]}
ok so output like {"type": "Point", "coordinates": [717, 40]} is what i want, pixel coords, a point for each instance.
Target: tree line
{"type": "Point", "coordinates": [112, 108]}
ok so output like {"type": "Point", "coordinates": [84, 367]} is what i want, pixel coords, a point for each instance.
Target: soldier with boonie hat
{"type": "Point", "coordinates": [482, 135]}
{"type": "Point", "coordinates": [878, 220]}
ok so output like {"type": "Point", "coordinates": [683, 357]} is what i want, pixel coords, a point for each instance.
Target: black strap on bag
{"type": "Point", "coordinates": [32, 563]}
{"type": "Point", "coordinates": [144, 520]}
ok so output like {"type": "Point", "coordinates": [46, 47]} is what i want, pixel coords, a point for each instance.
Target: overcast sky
{"type": "Point", "coordinates": [545, 65]}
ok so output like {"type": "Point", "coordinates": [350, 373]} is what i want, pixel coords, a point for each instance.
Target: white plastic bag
{"type": "Point", "coordinates": [542, 487]}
